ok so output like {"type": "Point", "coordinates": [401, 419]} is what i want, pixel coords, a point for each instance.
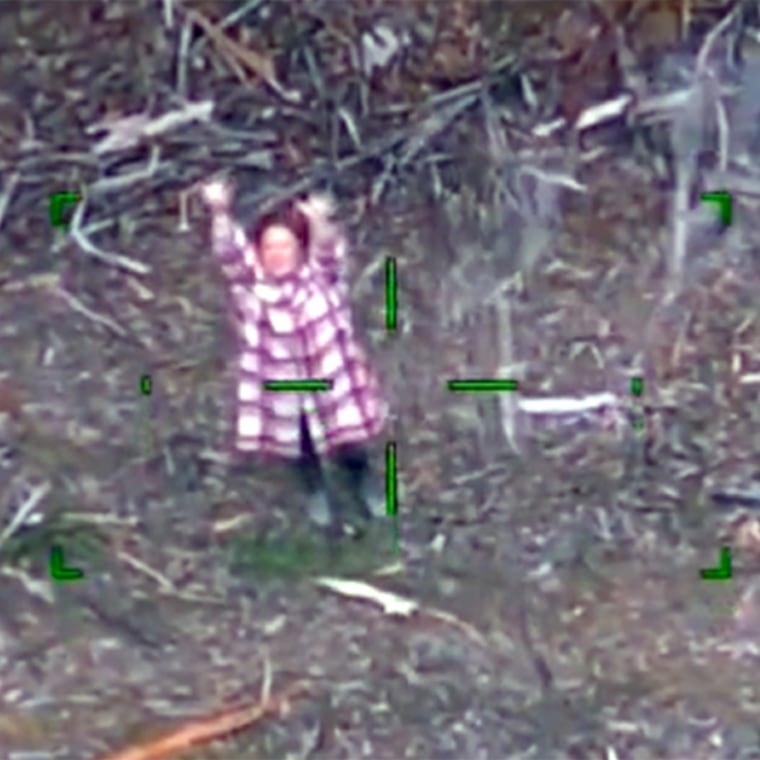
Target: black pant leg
{"type": "Point", "coordinates": [309, 466]}
{"type": "Point", "coordinates": [354, 460]}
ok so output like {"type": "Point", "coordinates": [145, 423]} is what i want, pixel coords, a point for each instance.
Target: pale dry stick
{"type": "Point", "coordinates": [80, 308]}
{"type": "Point", "coordinates": [126, 132]}
{"type": "Point", "coordinates": [559, 405]}
{"type": "Point", "coordinates": [240, 13]}
{"type": "Point", "coordinates": [35, 497]}
{"type": "Point", "coordinates": [182, 57]}
{"type": "Point", "coordinates": [171, 120]}
{"type": "Point", "coordinates": [138, 564]}
{"type": "Point", "coordinates": [168, 8]}
{"type": "Point", "coordinates": [395, 604]}
{"type": "Point", "coordinates": [110, 184]}
{"type": "Point", "coordinates": [233, 52]}
{"type": "Point", "coordinates": [711, 36]}
{"type": "Point", "coordinates": [680, 228]}
{"type": "Point", "coordinates": [5, 198]}
{"type": "Point", "coordinates": [35, 587]}
{"type": "Point", "coordinates": [266, 681]}
{"type": "Point", "coordinates": [506, 351]}
{"type": "Point", "coordinates": [183, 225]}
{"type": "Point", "coordinates": [115, 259]}
{"type": "Point", "coordinates": [604, 111]}
{"type": "Point", "coordinates": [724, 135]}
{"type": "Point", "coordinates": [166, 586]}
{"type": "Point", "coordinates": [92, 518]}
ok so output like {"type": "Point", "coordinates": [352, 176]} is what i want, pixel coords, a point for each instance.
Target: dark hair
{"type": "Point", "coordinates": [284, 215]}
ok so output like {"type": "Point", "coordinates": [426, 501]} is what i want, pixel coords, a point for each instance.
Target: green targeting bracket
{"type": "Point", "coordinates": [297, 386]}
{"type": "Point", "coordinates": [723, 201]}
{"type": "Point", "coordinates": [146, 389]}
{"type": "Point", "coordinates": [390, 294]}
{"type": "Point", "coordinates": [481, 386]}
{"type": "Point", "coordinates": [58, 201]}
{"type": "Point", "coordinates": [722, 571]}
{"type": "Point", "coordinates": [58, 569]}
{"type": "Point", "coordinates": [637, 388]}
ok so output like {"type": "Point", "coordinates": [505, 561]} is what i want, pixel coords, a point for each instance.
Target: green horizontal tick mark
{"type": "Point", "coordinates": [481, 386]}
{"type": "Point", "coordinates": [297, 386]}
{"type": "Point", "coordinates": [58, 569]}
{"type": "Point", "coordinates": [722, 200]}
{"type": "Point", "coordinates": [723, 570]}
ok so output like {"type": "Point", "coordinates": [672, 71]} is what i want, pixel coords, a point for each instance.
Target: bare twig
{"type": "Point", "coordinates": [79, 307]}
{"type": "Point", "coordinates": [128, 131]}
{"type": "Point", "coordinates": [138, 564]}
{"type": "Point", "coordinates": [35, 497]}
{"type": "Point", "coordinates": [205, 730]}
{"type": "Point", "coordinates": [5, 198]}
{"type": "Point", "coordinates": [182, 56]}
{"type": "Point", "coordinates": [110, 184]}
{"type": "Point", "coordinates": [568, 405]}
{"type": "Point", "coordinates": [115, 259]}
{"type": "Point", "coordinates": [168, 7]}
{"type": "Point", "coordinates": [35, 587]}
{"type": "Point", "coordinates": [712, 36]}
{"type": "Point", "coordinates": [258, 64]}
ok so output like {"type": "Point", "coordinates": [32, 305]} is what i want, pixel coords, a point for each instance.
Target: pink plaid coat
{"type": "Point", "coordinates": [296, 328]}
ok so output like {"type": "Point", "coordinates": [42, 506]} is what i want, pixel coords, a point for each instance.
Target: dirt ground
{"type": "Point", "coordinates": [557, 608]}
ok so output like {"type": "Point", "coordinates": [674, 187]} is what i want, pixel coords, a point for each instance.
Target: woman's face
{"type": "Point", "coordinates": [280, 251]}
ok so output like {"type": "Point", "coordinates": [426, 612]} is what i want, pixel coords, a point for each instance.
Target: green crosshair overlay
{"type": "Point", "coordinates": [56, 205]}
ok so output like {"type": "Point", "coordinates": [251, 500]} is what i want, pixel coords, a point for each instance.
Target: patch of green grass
{"type": "Point", "coordinates": [31, 545]}
{"type": "Point", "coordinates": [308, 553]}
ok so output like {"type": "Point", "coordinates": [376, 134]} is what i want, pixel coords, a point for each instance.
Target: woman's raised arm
{"type": "Point", "coordinates": [229, 243]}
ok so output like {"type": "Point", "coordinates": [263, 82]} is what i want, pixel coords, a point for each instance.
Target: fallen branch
{"type": "Point", "coordinates": [394, 604]}
{"type": "Point", "coordinates": [202, 731]}
{"type": "Point", "coordinates": [115, 259]}
{"type": "Point", "coordinates": [233, 52]}
{"type": "Point", "coordinates": [568, 405]}
{"type": "Point", "coordinates": [128, 131]}
{"type": "Point", "coordinates": [35, 497]}
{"type": "Point", "coordinates": [80, 308]}
{"type": "Point", "coordinates": [5, 198]}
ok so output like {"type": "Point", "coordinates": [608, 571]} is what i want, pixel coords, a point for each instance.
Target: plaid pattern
{"type": "Point", "coordinates": [296, 328]}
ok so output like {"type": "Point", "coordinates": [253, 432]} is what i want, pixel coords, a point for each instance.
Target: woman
{"type": "Point", "coordinates": [288, 288]}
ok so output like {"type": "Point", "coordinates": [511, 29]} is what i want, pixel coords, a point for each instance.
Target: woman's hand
{"type": "Point", "coordinates": [217, 195]}
{"type": "Point", "coordinates": [317, 208]}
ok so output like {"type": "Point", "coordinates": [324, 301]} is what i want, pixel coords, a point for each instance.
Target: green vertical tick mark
{"type": "Point", "coordinates": [146, 385]}
{"type": "Point", "coordinates": [390, 294]}
{"type": "Point", "coordinates": [391, 480]}
{"type": "Point", "coordinates": [56, 205]}
{"type": "Point", "coordinates": [723, 570]}
{"type": "Point", "coordinates": [58, 569]}
{"type": "Point", "coordinates": [722, 201]}
{"type": "Point", "coordinates": [391, 490]}
{"type": "Point", "coordinates": [637, 386]}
